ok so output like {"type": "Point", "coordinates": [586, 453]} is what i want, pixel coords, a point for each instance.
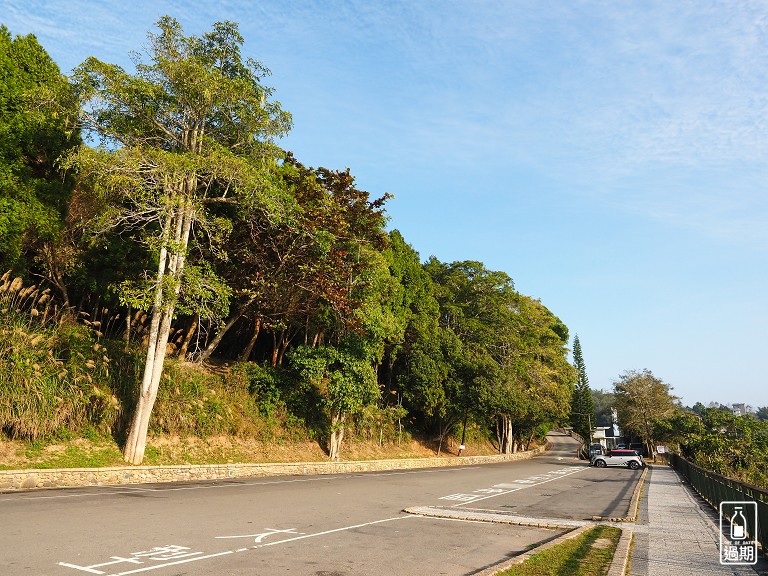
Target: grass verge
{"type": "Point", "coordinates": [587, 555]}
{"type": "Point", "coordinates": [165, 450]}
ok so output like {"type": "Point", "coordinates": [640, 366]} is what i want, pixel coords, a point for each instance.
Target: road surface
{"type": "Point", "coordinates": [317, 525]}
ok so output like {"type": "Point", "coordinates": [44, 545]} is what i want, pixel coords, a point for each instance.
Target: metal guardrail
{"type": "Point", "coordinates": [715, 488]}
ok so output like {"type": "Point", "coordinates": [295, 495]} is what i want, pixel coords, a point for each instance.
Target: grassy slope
{"type": "Point", "coordinates": [66, 396]}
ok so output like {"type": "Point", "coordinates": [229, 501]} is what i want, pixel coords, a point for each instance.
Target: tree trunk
{"type": "Point", "coordinates": [336, 435]}
{"type": "Point", "coordinates": [284, 342]}
{"type": "Point", "coordinates": [171, 263]}
{"type": "Point", "coordinates": [504, 434]}
{"type": "Point", "coordinates": [443, 429]}
{"type": "Point", "coordinates": [276, 346]}
{"type": "Point", "coordinates": [213, 344]}
{"type": "Point", "coordinates": [252, 342]}
{"type": "Point", "coordinates": [128, 329]}
{"type": "Point", "coordinates": [188, 336]}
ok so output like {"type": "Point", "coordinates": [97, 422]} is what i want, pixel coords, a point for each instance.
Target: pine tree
{"type": "Point", "coordinates": [582, 405]}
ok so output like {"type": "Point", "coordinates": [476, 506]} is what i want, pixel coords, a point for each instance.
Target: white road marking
{"type": "Point", "coordinates": [261, 536]}
{"type": "Point", "coordinates": [334, 530]}
{"type": "Point", "coordinates": [508, 488]}
{"type": "Point", "coordinates": [148, 568]}
{"type": "Point", "coordinates": [92, 568]}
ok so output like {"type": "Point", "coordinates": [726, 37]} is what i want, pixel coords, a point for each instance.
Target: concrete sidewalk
{"type": "Point", "coordinates": [677, 533]}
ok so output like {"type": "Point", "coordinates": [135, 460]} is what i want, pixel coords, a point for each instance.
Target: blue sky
{"type": "Point", "coordinates": [610, 157]}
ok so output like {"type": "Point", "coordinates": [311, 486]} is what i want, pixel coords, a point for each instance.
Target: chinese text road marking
{"type": "Point", "coordinates": [171, 555]}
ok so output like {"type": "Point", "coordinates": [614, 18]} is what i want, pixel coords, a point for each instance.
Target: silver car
{"type": "Point", "coordinates": [618, 457]}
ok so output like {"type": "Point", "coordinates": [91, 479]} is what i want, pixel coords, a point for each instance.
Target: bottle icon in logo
{"type": "Point", "coordinates": [738, 525]}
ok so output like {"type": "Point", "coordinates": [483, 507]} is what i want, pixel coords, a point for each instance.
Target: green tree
{"type": "Point", "coordinates": [310, 275]}
{"type": "Point", "coordinates": [473, 320]}
{"type": "Point", "coordinates": [582, 405]}
{"type": "Point", "coordinates": [641, 400]}
{"type": "Point", "coordinates": [762, 413]}
{"type": "Point", "coordinates": [33, 134]}
{"type": "Point", "coordinates": [699, 408]}
{"type": "Point", "coordinates": [189, 130]}
{"type": "Point", "coordinates": [537, 378]}
{"type": "Point", "coordinates": [604, 406]}
{"type": "Point", "coordinates": [344, 378]}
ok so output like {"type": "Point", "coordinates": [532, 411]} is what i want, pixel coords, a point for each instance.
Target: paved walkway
{"type": "Point", "coordinates": [677, 533]}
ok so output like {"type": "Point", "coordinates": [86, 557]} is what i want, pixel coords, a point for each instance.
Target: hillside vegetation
{"type": "Point", "coordinates": [178, 236]}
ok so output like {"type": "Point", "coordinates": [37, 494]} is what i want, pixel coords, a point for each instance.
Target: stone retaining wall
{"type": "Point", "coordinates": [11, 480]}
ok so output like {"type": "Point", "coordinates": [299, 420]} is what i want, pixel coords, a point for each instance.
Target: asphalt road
{"type": "Point", "coordinates": [318, 525]}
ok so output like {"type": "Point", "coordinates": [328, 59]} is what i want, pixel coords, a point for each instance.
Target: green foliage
{"type": "Point", "coordinates": [582, 406]}
{"type": "Point", "coordinates": [343, 375]}
{"type": "Point", "coordinates": [716, 439]}
{"type": "Point", "coordinates": [641, 398]}
{"type": "Point", "coordinates": [603, 402]}
{"type": "Point", "coordinates": [187, 208]}
{"type": "Point", "coordinates": [33, 135]}
{"type": "Point", "coordinates": [265, 384]}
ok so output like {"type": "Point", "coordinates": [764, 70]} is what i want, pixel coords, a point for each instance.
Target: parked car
{"type": "Point", "coordinates": [618, 457]}
{"type": "Point", "coordinates": [595, 449]}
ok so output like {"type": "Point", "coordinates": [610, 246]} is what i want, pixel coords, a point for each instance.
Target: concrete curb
{"type": "Point", "coordinates": [13, 480]}
{"type": "Point", "coordinates": [620, 561]}
{"type": "Point", "coordinates": [495, 517]}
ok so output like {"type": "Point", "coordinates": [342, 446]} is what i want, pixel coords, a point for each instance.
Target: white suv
{"type": "Point", "coordinates": [618, 457]}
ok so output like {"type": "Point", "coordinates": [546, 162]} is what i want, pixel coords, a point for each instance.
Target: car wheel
{"type": "Point", "coordinates": [634, 465]}
{"type": "Point", "coordinates": [600, 463]}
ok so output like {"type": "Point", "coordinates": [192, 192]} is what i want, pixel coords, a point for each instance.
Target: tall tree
{"type": "Point", "coordinates": [537, 376]}
{"type": "Point", "coordinates": [33, 195]}
{"type": "Point", "coordinates": [191, 128]}
{"type": "Point", "coordinates": [582, 405]}
{"type": "Point", "coordinates": [603, 402]}
{"type": "Point", "coordinates": [344, 378]}
{"type": "Point", "coordinates": [474, 317]}
{"type": "Point", "coordinates": [641, 400]}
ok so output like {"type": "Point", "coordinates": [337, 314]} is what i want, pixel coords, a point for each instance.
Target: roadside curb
{"type": "Point", "coordinates": [620, 561]}
{"type": "Point", "coordinates": [15, 480]}
{"type": "Point", "coordinates": [495, 517]}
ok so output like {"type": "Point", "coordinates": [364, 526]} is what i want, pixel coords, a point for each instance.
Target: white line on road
{"type": "Point", "coordinates": [195, 559]}
{"type": "Point", "coordinates": [518, 489]}
{"type": "Point", "coordinates": [332, 531]}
